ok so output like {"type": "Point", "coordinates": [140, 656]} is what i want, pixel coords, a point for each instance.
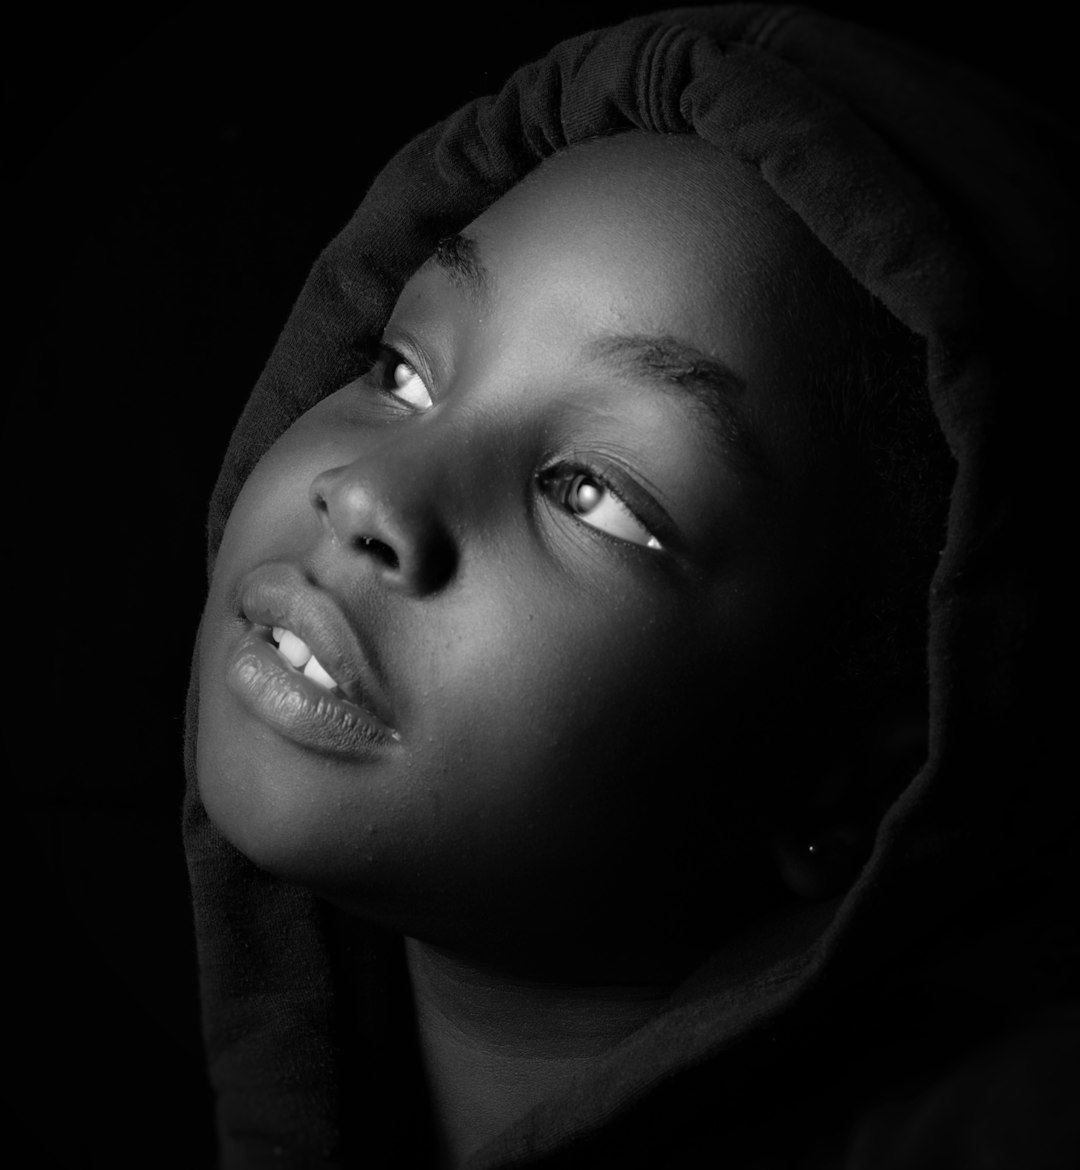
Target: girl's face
{"type": "Point", "coordinates": [566, 547]}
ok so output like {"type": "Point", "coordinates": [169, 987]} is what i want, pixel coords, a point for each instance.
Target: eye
{"type": "Point", "coordinates": [595, 504]}
{"type": "Point", "coordinates": [394, 376]}
{"type": "Point", "coordinates": [405, 384]}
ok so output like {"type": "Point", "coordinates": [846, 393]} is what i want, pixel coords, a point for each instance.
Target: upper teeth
{"type": "Point", "coordinates": [298, 653]}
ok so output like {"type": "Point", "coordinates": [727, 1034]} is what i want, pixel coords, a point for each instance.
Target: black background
{"type": "Point", "coordinates": [176, 175]}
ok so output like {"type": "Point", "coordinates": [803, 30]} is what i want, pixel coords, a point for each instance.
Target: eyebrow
{"type": "Point", "coordinates": [459, 257]}
{"type": "Point", "coordinates": [669, 363]}
{"type": "Point", "coordinates": [665, 361]}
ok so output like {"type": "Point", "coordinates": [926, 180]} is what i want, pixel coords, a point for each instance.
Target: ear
{"type": "Point", "coordinates": [821, 849]}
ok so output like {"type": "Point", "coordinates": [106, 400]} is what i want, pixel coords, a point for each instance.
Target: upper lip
{"type": "Point", "coordinates": [278, 594]}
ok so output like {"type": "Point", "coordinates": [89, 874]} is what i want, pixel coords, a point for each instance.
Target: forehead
{"type": "Point", "coordinates": [651, 234]}
{"type": "Point", "coordinates": [666, 229]}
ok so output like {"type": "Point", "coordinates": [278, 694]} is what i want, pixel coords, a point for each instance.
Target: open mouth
{"type": "Point", "coordinates": [297, 653]}
{"type": "Point", "coordinates": [285, 619]}
{"type": "Point", "coordinates": [264, 670]}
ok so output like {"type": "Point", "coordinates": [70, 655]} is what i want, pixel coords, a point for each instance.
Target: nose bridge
{"type": "Point", "coordinates": [391, 505]}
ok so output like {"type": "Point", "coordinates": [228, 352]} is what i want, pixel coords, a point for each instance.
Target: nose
{"type": "Point", "coordinates": [386, 509]}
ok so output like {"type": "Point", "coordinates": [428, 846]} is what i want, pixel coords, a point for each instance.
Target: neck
{"type": "Point", "coordinates": [493, 1046]}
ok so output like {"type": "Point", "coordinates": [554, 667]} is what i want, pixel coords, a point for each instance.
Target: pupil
{"type": "Point", "coordinates": [585, 494]}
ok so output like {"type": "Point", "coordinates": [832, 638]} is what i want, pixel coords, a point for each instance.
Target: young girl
{"type": "Point", "coordinates": [563, 785]}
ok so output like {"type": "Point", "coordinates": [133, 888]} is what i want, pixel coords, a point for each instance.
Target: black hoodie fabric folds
{"type": "Point", "coordinates": [931, 1019]}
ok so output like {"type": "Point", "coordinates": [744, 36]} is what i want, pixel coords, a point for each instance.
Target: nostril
{"type": "Point", "coordinates": [376, 548]}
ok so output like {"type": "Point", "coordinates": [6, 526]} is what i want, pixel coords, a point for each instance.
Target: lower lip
{"type": "Point", "coordinates": [297, 708]}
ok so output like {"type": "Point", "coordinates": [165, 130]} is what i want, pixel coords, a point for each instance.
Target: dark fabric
{"type": "Point", "coordinates": [923, 1024]}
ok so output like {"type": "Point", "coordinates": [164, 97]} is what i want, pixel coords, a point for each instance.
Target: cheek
{"type": "Point", "coordinates": [273, 511]}
{"type": "Point", "coordinates": [569, 764]}
{"type": "Point", "coordinates": [550, 699]}
{"type": "Point", "coordinates": [584, 714]}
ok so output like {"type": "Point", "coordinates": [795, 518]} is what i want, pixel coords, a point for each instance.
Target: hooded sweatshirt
{"type": "Point", "coordinates": [928, 1017]}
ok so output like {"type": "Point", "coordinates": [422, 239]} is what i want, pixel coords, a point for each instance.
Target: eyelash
{"type": "Point", "coordinates": [565, 475]}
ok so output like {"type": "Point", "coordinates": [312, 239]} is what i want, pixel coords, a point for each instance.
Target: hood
{"type": "Point", "coordinates": [945, 197]}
